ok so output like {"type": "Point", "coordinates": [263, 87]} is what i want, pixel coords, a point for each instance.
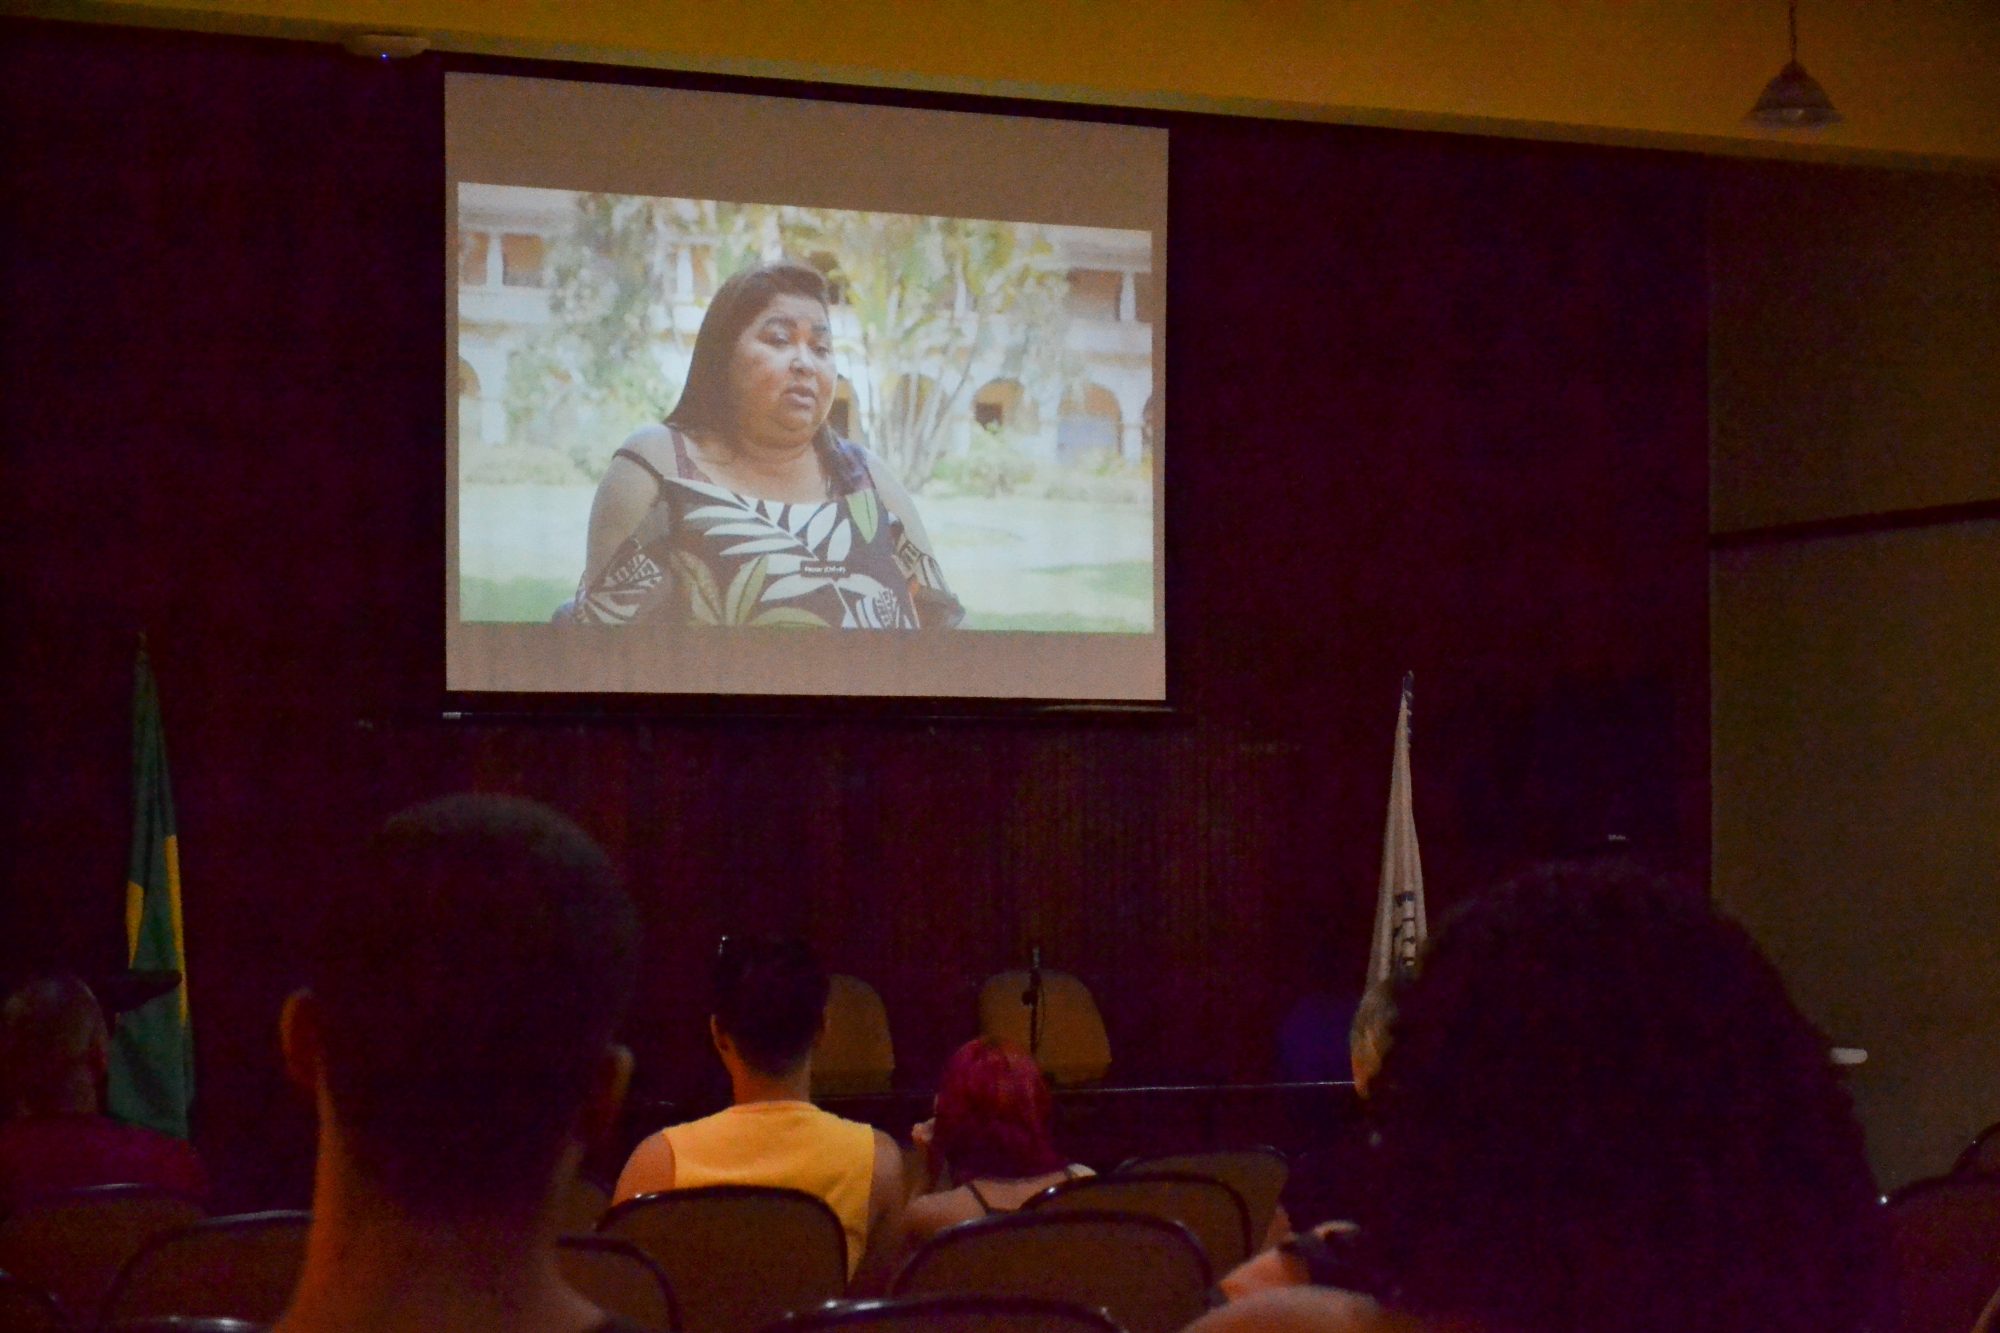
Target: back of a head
{"type": "Point", "coordinates": [1600, 1110]}
{"type": "Point", "coordinates": [770, 998]}
{"type": "Point", "coordinates": [52, 1030]}
{"type": "Point", "coordinates": [469, 982]}
{"type": "Point", "coordinates": [993, 1114]}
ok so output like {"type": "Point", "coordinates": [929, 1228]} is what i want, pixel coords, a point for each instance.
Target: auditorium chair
{"type": "Point", "coordinates": [1982, 1155]}
{"type": "Point", "coordinates": [1074, 1047]}
{"type": "Point", "coordinates": [619, 1278]}
{"type": "Point", "coordinates": [582, 1205]}
{"type": "Point", "coordinates": [26, 1308]}
{"type": "Point", "coordinates": [247, 1266]}
{"type": "Point", "coordinates": [1149, 1275]}
{"type": "Point", "coordinates": [854, 1053]}
{"type": "Point", "coordinates": [240, 1267]}
{"type": "Point", "coordinates": [737, 1256]}
{"type": "Point", "coordinates": [73, 1244]}
{"type": "Point", "coordinates": [949, 1314]}
{"type": "Point", "coordinates": [1212, 1212]}
{"type": "Point", "coordinates": [1257, 1175]}
{"type": "Point", "coordinates": [1944, 1238]}
{"type": "Point", "coordinates": [185, 1323]}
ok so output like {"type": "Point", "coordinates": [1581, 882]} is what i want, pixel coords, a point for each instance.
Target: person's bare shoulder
{"type": "Point", "coordinates": [1303, 1310]}
{"type": "Point", "coordinates": [929, 1214]}
{"type": "Point", "coordinates": [649, 1170]}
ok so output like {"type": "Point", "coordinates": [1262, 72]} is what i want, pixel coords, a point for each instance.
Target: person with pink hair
{"type": "Point", "coordinates": [988, 1147]}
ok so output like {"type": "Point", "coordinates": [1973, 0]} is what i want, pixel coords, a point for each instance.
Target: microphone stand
{"type": "Point", "coordinates": [1032, 997]}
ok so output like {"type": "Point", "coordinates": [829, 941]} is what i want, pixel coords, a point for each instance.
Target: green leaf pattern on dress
{"type": "Point", "coordinates": [789, 551]}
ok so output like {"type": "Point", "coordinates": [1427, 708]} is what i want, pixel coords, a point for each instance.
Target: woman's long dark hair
{"type": "Point", "coordinates": [704, 407]}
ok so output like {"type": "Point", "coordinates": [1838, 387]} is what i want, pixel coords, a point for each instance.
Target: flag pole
{"type": "Point", "coordinates": [1400, 924]}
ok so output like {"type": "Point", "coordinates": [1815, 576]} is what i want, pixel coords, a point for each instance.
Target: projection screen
{"type": "Point", "coordinates": [735, 371]}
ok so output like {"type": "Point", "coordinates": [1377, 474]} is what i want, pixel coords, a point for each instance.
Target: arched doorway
{"type": "Point", "coordinates": [1089, 424]}
{"type": "Point", "coordinates": [1001, 405]}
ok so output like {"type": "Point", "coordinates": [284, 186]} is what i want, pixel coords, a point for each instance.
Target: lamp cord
{"type": "Point", "coordinates": [1792, 11]}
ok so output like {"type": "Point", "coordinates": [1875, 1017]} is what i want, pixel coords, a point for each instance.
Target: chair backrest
{"type": "Point", "coordinates": [737, 1256]}
{"type": "Point", "coordinates": [1982, 1155]}
{"type": "Point", "coordinates": [1212, 1212]}
{"type": "Point", "coordinates": [73, 1244]}
{"type": "Point", "coordinates": [240, 1267]}
{"type": "Point", "coordinates": [581, 1207]}
{"type": "Point", "coordinates": [1074, 1047]}
{"type": "Point", "coordinates": [1256, 1174]}
{"type": "Point", "coordinates": [1148, 1274]}
{"type": "Point", "coordinates": [854, 1052]}
{"type": "Point", "coordinates": [1944, 1238]}
{"type": "Point", "coordinates": [618, 1278]}
{"type": "Point", "coordinates": [950, 1314]}
{"type": "Point", "coordinates": [26, 1308]}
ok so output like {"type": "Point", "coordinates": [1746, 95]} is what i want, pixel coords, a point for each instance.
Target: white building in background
{"type": "Point", "coordinates": [505, 235]}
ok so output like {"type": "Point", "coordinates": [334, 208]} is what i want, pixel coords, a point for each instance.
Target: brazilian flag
{"type": "Point", "coordinates": [152, 1053]}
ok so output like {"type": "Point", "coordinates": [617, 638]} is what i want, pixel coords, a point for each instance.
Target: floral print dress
{"type": "Point", "coordinates": [706, 555]}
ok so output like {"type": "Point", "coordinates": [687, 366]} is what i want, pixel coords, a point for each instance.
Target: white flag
{"type": "Point", "coordinates": [1399, 911]}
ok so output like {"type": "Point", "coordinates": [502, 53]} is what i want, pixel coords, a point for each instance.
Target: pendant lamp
{"type": "Point", "coordinates": [1794, 100]}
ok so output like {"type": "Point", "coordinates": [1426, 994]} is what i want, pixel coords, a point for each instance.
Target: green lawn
{"type": "Point", "coordinates": [531, 600]}
{"type": "Point", "coordinates": [1129, 578]}
{"type": "Point", "coordinates": [510, 601]}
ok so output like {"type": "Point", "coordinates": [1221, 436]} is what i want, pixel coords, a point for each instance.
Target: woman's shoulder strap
{"type": "Point", "coordinates": [656, 450]}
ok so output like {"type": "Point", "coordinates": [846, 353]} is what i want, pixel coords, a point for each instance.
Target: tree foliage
{"type": "Point", "coordinates": [926, 308]}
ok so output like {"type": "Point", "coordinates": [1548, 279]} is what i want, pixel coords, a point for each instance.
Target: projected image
{"type": "Point", "coordinates": [691, 412]}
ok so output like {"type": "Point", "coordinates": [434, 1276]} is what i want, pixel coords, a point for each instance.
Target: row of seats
{"type": "Point", "coordinates": [855, 1052]}
{"type": "Point", "coordinates": [1144, 1241]}
{"type": "Point", "coordinates": [35, 1313]}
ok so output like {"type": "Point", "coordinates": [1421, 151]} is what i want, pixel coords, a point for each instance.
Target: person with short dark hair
{"type": "Point", "coordinates": [989, 1146]}
{"type": "Point", "coordinates": [770, 1005]}
{"type": "Point", "coordinates": [457, 1036]}
{"type": "Point", "coordinates": [54, 1051]}
{"type": "Point", "coordinates": [1600, 1111]}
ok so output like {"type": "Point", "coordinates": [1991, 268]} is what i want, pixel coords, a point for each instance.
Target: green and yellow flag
{"type": "Point", "coordinates": [152, 1052]}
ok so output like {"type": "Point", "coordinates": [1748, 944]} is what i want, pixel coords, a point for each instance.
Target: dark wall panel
{"type": "Point", "coordinates": [1435, 403]}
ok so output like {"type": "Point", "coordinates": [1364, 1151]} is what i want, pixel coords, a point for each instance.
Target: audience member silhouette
{"type": "Point", "coordinates": [54, 1051]}
{"type": "Point", "coordinates": [770, 1005]}
{"type": "Point", "coordinates": [1600, 1111]}
{"type": "Point", "coordinates": [457, 1038]}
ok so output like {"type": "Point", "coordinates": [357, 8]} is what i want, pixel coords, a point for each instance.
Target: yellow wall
{"type": "Point", "coordinates": [1914, 77]}
{"type": "Point", "coordinates": [1856, 679]}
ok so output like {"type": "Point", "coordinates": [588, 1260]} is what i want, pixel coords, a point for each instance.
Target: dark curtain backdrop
{"type": "Point", "coordinates": [1435, 402]}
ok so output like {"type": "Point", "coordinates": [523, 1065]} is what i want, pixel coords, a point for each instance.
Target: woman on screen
{"type": "Point", "coordinates": [743, 507]}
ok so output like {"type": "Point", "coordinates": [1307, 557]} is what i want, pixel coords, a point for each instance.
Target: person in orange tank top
{"type": "Point", "coordinates": [770, 1004]}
